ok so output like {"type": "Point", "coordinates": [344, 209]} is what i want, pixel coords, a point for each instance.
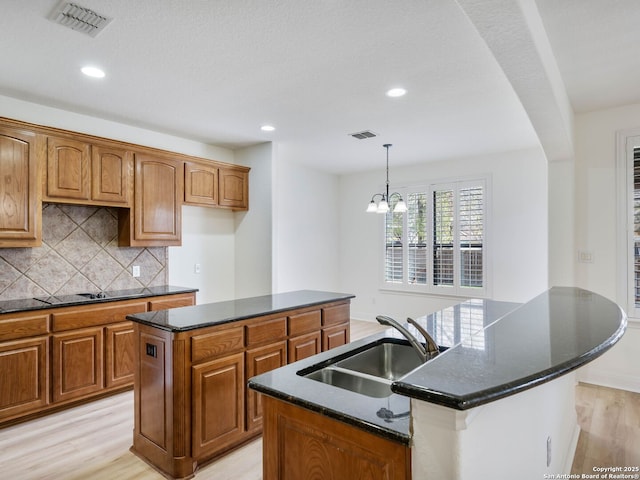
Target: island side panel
{"type": "Point", "coordinates": [162, 402]}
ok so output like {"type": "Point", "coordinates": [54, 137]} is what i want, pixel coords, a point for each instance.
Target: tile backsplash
{"type": "Point", "coordinates": [79, 253]}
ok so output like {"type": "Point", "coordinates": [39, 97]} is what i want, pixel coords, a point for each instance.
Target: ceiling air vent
{"type": "Point", "coordinates": [363, 135]}
{"type": "Point", "coordinates": [80, 19]}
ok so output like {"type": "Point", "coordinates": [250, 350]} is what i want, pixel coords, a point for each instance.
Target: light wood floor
{"type": "Point", "coordinates": [92, 441]}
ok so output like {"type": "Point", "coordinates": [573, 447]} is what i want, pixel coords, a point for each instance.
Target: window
{"type": "Point", "coordinates": [439, 244]}
{"type": "Point", "coordinates": [628, 171]}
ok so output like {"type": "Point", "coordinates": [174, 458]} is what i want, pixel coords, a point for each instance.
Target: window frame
{"type": "Point", "coordinates": [626, 141]}
{"type": "Point", "coordinates": [429, 288]}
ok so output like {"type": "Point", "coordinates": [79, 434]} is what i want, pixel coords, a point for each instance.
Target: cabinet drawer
{"type": "Point", "coordinates": [79, 317]}
{"type": "Point", "coordinates": [216, 343]}
{"type": "Point", "coordinates": [266, 331]}
{"type": "Point", "coordinates": [172, 301]}
{"type": "Point", "coordinates": [335, 315]}
{"type": "Point", "coordinates": [23, 325]}
{"type": "Point", "coordinates": [304, 322]}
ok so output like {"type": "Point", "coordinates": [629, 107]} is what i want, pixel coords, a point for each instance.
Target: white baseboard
{"type": "Point", "coordinates": [604, 378]}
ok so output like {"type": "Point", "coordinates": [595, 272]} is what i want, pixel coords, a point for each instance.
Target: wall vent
{"type": "Point", "coordinates": [80, 19]}
{"type": "Point", "coordinates": [364, 134]}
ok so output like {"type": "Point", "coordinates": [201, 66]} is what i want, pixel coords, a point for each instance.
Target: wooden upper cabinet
{"type": "Point", "coordinates": [68, 170]}
{"type": "Point", "coordinates": [86, 173]}
{"type": "Point", "coordinates": [156, 219]}
{"type": "Point", "coordinates": [111, 175]}
{"type": "Point", "coordinates": [200, 184]}
{"type": "Point", "coordinates": [234, 188]}
{"type": "Point", "coordinates": [20, 210]}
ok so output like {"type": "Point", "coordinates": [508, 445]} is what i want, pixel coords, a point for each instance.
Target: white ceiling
{"type": "Point", "coordinates": [215, 71]}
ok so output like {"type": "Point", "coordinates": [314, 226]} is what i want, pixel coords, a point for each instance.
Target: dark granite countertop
{"type": "Point", "coordinates": [449, 326]}
{"type": "Point", "coordinates": [210, 314]}
{"type": "Point", "coordinates": [496, 349]}
{"type": "Point", "coordinates": [46, 302]}
{"type": "Point", "coordinates": [556, 332]}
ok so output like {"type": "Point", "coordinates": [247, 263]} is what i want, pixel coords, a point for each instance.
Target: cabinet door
{"type": "Point", "coordinates": [304, 346]}
{"type": "Point", "coordinates": [77, 363]}
{"type": "Point", "coordinates": [111, 175]}
{"type": "Point", "coordinates": [261, 360]}
{"type": "Point", "coordinates": [218, 404]}
{"type": "Point", "coordinates": [20, 210]}
{"type": "Point", "coordinates": [200, 184]}
{"type": "Point", "coordinates": [68, 168]}
{"type": "Point", "coordinates": [24, 372]}
{"type": "Point", "coordinates": [335, 336]}
{"type": "Point", "coordinates": [159, 187]}
{"type": "Point", "coordinates": [298, 441]}
{"type": "Point", "coordinates": [119, 355]}
{"type": "Point", "coordinates": [234, 188]}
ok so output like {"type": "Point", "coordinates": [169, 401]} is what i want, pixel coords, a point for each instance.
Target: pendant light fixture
{"type": "Point", "coordinates": [383, 205]}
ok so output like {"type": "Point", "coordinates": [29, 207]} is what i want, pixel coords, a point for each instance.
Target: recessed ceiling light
{"type": "Point", "coordinates": [94, 72]}
{"type": "Point", "coordinates": [267, 128]}
{"type": "Point", "coordinates": [396, 92]}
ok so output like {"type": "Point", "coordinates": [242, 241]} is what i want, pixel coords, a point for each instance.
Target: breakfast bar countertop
{"type": "Point", "coordinates": [496, 349]}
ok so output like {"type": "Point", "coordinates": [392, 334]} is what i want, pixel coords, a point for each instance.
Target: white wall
{"type": "Point", "coordinates": [502, 440]}
{"type": "Point", "coordinates": [595, 224]}
{"type": "Point", "coordinates": [518, 239]}
{"type": "Point", "coordinates": [253, 229]}
{"type": "Point", "coordinates": [562, 251]}
{"type": "Point", "coordinates": [307, 238]}
{"type": "Point", "coordinates": [207, 239]}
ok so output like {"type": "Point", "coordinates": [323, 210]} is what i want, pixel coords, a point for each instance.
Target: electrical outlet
{"type": "Point", "coordinates": [585, 256]}
{"type": "Point", "coordinates": [135, 270]}
{"type": "Point", "coordinates": [196, 268]}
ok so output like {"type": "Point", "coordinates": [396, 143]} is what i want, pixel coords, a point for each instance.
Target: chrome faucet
{"type": "Point", "coordinates": [424, 353]}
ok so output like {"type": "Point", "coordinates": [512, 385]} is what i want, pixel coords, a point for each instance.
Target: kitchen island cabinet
{"type": "Point", "coordinates": [298, 441]}
{"type": "Point", "coordinates": [191, 403]}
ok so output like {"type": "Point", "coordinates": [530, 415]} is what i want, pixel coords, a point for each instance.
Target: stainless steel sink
{"type": "Point", "coordinates": [369, 370]}
{"type": "Point", "coordinates": [386, 360]}
{"type": "Point", "coordinates": [351, 381]}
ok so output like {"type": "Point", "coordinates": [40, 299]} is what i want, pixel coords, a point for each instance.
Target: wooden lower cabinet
{"type": "Point", "coordinates": [335, 336]}
{"type": "Point", "coordinates": [25, 376]}
{"type": "Point", "coordinates": [173, 301]}
{"type": "Point", "coordinates": [218, 404]}
{"type": "Point", "coordinates": [298, 443]}
{"type": "Point", "coordinates": [261, 360]}
{"type": "Point", "coordinates": [304, 346]}
{"type": "Point", "coordinates": [78, 363]}
{"type": "Point", "coordinates": [119, 355]}
{"type": "Point", "coordinates": [63, 356]}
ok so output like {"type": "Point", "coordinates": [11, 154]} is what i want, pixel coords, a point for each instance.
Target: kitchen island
{"type": "Point", "coordinates": [498, 403]}
{"type": "Point", "coordinates": [191, 403]}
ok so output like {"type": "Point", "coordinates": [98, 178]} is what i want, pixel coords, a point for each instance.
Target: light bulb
{"type": "Point", "coordinates": [400, 207]}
